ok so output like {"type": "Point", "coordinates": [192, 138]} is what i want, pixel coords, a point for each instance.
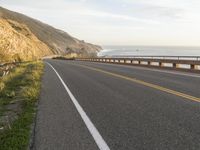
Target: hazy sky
{"type": "Point", "coordinates": [119, 22]}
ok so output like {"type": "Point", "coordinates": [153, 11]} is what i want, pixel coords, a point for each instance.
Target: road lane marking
{"type": "Point", "coordinates": [153, 69]}
{"type": "Point", "coordinates": [92, 129]}
{"type": "Point", "coordinates": [186, 96]}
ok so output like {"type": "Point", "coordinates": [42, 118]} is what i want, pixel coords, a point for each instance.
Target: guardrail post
{"type": "Point", "coordinates": [160, 64]}
{"type": "Point", "coordinates": [192, 66]}
{"type": "Point", "coordinates": [174, 65]}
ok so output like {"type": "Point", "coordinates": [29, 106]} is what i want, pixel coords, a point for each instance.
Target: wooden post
{"type": "Point", "coordinates": [192, 66]}
{"type": "Point", "coordinates": [160, 64]}
{"type": "Point", "coordinates": [174, 65]}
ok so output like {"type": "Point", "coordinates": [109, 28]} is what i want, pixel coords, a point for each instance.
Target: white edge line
{"type": "Point", "coordinates": [92, 129]}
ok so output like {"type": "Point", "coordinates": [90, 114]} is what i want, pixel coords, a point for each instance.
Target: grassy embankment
{"type": "Point", "coordinates": [19, 92]}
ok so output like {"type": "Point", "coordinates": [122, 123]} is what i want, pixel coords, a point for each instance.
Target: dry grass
{"type": "Point", "coordinates": [18, 43]}
{"type": "Point", "coordinates": [19, 91]}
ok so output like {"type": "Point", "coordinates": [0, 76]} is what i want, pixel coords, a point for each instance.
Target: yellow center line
{"type": "Point", "coordinates": [157, 87]}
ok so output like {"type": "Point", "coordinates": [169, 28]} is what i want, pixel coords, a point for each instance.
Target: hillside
{"type": "Point", "coordinates": [22, 37]}
{"type": "Point", "coordinates": [18, 43]}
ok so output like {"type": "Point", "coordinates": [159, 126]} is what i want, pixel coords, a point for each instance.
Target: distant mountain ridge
{"type": "Point", "coordinates": [42, 39]}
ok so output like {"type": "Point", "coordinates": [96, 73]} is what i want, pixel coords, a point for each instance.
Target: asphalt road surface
{"type": "Point", "coordinates": [89, 106]}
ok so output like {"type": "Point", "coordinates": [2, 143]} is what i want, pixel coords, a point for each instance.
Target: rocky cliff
{"type": "Point", "coordinates": [24, 38]}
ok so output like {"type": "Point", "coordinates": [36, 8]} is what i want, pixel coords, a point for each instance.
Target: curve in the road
{"type": "Point", "coordinates": [183, 95]}
{"type": "Point", "coordinates": [94, 132]}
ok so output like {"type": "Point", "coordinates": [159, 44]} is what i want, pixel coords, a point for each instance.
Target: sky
{"type": "Point", "coordinates": [119, 22]}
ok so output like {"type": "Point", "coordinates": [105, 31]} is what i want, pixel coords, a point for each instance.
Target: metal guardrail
{"type": "Point", "coordinates": [191, 63]}
{"type": "Point", "coordinates": [197, 58]}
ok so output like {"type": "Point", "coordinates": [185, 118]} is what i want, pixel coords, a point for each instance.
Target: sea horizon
{"type": "Point", "coordinates": [120, 50]}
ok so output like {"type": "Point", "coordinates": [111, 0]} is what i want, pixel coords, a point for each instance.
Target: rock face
{"type": "Point", "coordinates": [17, 43]}
{"type": "Point", "coordinates": [24, 38]}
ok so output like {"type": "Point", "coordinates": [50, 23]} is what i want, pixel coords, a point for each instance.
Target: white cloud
{"type": "Point", "coordinates": [155, 22]}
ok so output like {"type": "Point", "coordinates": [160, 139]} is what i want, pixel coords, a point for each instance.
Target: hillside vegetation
{"type": "Point", "coordinates": [24, 38]}
{"type": "Point", "coordinates": [17, 43]}
{"type": "Point", "coordinates": [19, 92]}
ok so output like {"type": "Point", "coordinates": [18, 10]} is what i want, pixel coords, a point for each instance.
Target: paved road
{"type": "Point", "coordinates": [132, 108]}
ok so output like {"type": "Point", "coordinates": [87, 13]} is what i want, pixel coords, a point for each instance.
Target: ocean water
{"type": "Point", "coordinates": [149, 51]}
